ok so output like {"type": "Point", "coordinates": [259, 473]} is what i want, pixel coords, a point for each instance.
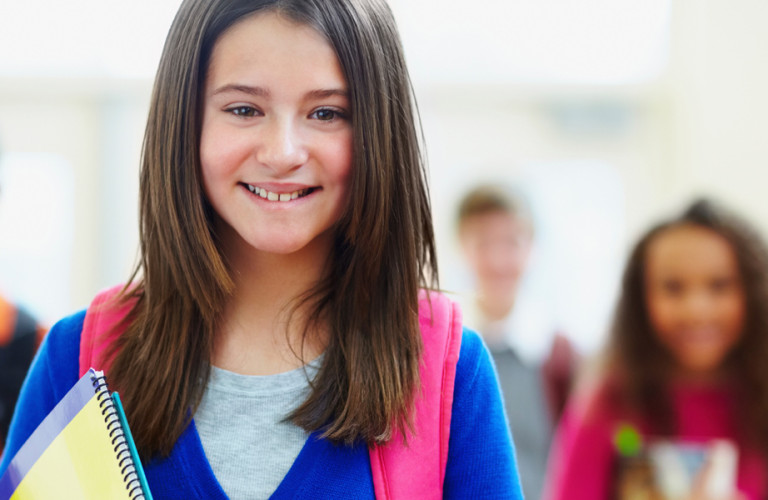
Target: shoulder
{"type": "Point", "coordinates": [475, 378]}
{"type": "Point", "coordinates": [476, 382]}
{"type": "Point", "coordinates": [55, 367]}
{"type": "Point", "coordinates": [474, 357]}
{"type": "Point", "coordinates": [439, 313]}
{"type": "Point", "coordinates": [481, 461]}
{"type": "Point", "coordinates": [60, 351]}
{"type": "Point", "coordinates": [53, 372]}
{"type": "Point", "coordinates": [471, 342]}
{"type": "Point", "coordinates": [67, 330]}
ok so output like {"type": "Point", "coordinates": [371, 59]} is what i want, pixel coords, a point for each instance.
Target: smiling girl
{"type": "Point", "coordinates": [687, 362]}
{"type": "Point", "coordinates": [272, 336]}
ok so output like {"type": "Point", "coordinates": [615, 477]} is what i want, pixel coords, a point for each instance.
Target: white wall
{"type": "Point", "coordinates": [93, 130]}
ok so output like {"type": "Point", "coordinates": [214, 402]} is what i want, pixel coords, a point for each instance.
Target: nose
{"type": "Point", "coordinates": [280, 146]}
{"type": "Point", "coordinates": [698, 305]}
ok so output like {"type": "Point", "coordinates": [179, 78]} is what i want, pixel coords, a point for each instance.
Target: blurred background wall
{"type": "Point", "coordinates": [607, 113]}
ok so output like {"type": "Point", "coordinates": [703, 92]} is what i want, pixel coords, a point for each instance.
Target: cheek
{"type": "Point", "coordinates": [471, 252]}
{"type": "Point", "coordinates": [733, 312]}
{"type": "Point", "coordinates": [220, 159]}
{"type": "Point", "coordinates": [207, 142]}
{"type": "Point", "coordinates": [210, 176]}
{"type": "Point", "coordinates": [661, 312]}
{"type": "Point", "coordinates": [209, 156]}
{"type": "Point", "coordinates": [338, 156]}
{"type": "Point", "coordinates": [222, 148]}
{"type": "Point", "coordinates": [337, 161]}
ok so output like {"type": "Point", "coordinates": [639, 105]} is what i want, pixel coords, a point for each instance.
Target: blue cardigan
{"type": "Point", "coordinates": [481, 461]}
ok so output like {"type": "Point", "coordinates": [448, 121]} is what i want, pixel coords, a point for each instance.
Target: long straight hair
{"type": "Point", "coordinates": [383, 250]}
{"type": "Point", "coordinates": [637, 357]}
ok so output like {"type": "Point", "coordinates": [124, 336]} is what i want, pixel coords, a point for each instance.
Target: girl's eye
{"type": "Point", "coordinates": [244, 111]}
{"type": "Point", "coordinates": [327, 114]}
{"type": "Point", "coordinates": [721, 285]}
{"type": "Point", "coordinates": [672, 287]}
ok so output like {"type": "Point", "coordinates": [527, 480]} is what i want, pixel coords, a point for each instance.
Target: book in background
{"type": "Point", "coordinates": [83, 449]}
{"type": "Point", "coordinates": [665, 469]}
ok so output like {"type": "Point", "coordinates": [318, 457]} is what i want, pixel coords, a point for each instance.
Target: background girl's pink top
{"type": "Point", "coordinates": [583, 455]}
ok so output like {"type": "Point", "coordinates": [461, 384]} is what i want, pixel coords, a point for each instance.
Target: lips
{"type": "Point", "coordinates": [700, 335]}
{"type": "Point", "coordinates": [279, 196]}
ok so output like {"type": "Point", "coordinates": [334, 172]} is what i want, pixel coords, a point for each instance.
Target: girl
{"type": "Point", "coordinates": [687, 366]}
{"type": "Point", "coordinates": [273, 332]}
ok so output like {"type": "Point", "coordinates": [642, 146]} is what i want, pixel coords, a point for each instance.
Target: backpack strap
{"type": "Point", "coordinates": [416, 469]}
{"type": "Point", "coordinates": [103, 325]}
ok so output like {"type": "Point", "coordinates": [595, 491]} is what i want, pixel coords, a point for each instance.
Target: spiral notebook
{"type": "Point", "coordinates": [83, 450]}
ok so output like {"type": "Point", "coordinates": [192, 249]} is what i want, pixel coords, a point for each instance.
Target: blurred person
{"type": "Point", "coordinates": [495, 231]}
{"type": "Point", "coordinates": [679, 408]}
{"type": "Point", "coordinates": [20, 335]}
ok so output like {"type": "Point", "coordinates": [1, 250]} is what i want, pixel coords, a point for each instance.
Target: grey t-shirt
{"type": "Point", "coordinates": [241, 425]}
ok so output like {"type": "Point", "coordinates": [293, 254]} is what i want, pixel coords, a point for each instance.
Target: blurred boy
{"type": "Point", "coordinates": [495, 232]}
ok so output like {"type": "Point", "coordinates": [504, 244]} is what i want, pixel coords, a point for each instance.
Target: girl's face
{"type": "Point", "coordinates": [496, 246]}
{"type": "Point", "coordinates": [695, 297]}
{"type": "Point", "coordinates": [276, 143]}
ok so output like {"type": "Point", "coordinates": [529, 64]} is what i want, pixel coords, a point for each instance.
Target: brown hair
{"type": "Point", "coordinates": [635, 354]}
{"type": "Point", "coordinates": [383, 251]}
{"type": "Point", "coordinates": [489, 198]}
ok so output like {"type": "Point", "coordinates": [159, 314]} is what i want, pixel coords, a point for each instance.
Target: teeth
{"type": "Point", "coordinates": [271, 196]}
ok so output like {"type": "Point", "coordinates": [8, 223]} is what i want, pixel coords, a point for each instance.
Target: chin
{"type": "Point", "coordinates": [704, 364]}
{"type": "Point", "coordinates": [282, 247]}
{"type": "Point", "coordinates": [287, 244]}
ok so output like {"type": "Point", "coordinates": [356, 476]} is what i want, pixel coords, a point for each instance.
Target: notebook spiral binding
{"type": "Point", "coordinates": [122, 451]}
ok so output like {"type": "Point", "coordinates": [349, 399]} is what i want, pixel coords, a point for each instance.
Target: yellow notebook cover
{"type": "Point", "coordinates": [82, 450]}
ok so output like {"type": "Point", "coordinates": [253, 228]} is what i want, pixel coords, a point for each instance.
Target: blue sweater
{"type": "Point", "coordinates": [481, 460]}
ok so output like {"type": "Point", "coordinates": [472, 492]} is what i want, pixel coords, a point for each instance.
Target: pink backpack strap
{"type": "Point", "coordinates": [101, 328]}
{"type": "Point", "coordinates": [417, 469]}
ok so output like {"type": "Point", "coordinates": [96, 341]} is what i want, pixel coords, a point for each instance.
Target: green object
{"type": "Point", "coordinates": [627, 440]}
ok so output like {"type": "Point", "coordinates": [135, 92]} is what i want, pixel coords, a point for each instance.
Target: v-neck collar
{"type": "Point", "coordinates": [319, 463]}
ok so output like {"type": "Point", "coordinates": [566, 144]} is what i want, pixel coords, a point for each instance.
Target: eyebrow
{"type": "Point", "coordinates": [246, 89]}
{"type": "Point", "coordinates": [262, 92]}
{"type": "Point", "coordinates": [323, 93]}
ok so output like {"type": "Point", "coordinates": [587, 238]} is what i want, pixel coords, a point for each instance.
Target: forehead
{"type": "Point", "coordinates": [690, 249]}
{"type": "Point", "coordinates": [494, 222]}
{"type": "Point", "coordinates": [270, 43]}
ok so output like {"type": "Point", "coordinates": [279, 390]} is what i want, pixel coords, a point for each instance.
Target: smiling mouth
{"type": "Point", "coordinates": [272, 196]}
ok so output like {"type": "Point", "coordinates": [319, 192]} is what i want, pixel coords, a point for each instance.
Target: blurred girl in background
{"type": "Point", "coordinates": [681, 408]}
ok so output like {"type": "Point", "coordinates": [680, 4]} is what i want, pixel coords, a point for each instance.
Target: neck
{"type": "Point", "coordinates": [699, 378]}
{"type": "Point", "coordinates": [495, 306]}
{"type": "Point", "coordinates": [261, 332]}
